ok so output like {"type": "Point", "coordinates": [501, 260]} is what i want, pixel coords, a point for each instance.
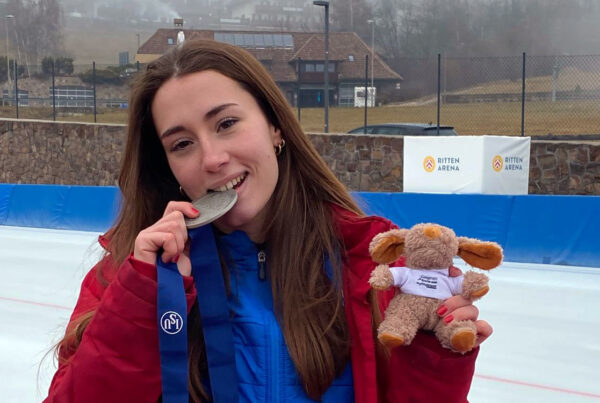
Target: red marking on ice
{"type": "Point", "coordinates": [23, 301]}
{"type": "Point", "coordinates": [534, 385]}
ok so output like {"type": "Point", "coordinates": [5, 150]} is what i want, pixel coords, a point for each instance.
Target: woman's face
{"type": "Point", "coordinates": [216, 137]}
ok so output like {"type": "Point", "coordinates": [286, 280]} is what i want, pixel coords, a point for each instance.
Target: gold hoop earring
{"type": "Point", "coordinates": [182, 192]}
{"type": "Point", "coordinates": [279, 148]}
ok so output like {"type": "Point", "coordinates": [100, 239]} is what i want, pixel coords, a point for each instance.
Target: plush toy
{"type": "Point", "coordinates": [424, 282]}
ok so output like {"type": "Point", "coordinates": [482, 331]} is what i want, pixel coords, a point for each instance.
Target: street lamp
{"type": "Point", "coordinates": [7, 17]}
{"type": "Point", "coordinates": [326, 5]}
{"type": "Point", "coordinates": [372, 22]}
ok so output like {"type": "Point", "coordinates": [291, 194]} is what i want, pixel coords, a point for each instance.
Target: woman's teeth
{"type": "Point", "coordinates": [231, 183]}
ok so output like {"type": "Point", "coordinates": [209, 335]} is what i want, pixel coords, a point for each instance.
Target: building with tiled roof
{"type": "Point", "coordinates": [296, 61]}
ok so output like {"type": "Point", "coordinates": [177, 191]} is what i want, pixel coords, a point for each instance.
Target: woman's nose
{"type": "Point", "coordinates": [214, 156]}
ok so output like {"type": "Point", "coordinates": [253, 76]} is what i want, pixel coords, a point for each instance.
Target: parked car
{"type": "Point", "coordinates": [406, 129]}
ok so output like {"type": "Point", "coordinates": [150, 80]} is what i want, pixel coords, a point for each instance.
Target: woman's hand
{"type": "Point", "coordinates": [461, 308]}
{"type": "Point", "coordinates": [169, 234]}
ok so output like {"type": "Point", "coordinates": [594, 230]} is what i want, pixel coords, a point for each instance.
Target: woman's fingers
{"type": "Point", "coordinates": [169, 234]}
{"type": "Point", "coordinates": [454, 271]}
{"type": "Point", "coordinates": [184, 264]}
{"type": "Point", "coordinates": [484, 330]}
{"type": "Point", "coordinates": [175, 224]}
{"type": "Point", "coordinates": [458, 308]}
{"type": "Point", "coordinates": [148, 243]}
{"type": "Point", "coordinates": [455, 302]}
{"type": "Point", "coordinates": [186, 208]}
{"type": "Point", "coordinates": [468, 312]}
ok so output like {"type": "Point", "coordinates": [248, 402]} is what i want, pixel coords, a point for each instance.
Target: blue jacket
{"type": "Point", "coordinates": [266, 372]}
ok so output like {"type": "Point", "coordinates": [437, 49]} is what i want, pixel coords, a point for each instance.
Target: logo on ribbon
{"type": "Point", "coordinates": [171, 322]}
{"type": "Point", "coordinates": [497, 163]}
{"type": "Point", "coordinates": [429, 163]}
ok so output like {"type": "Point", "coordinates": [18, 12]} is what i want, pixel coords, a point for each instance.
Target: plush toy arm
{"type": "Point", "coordinates": [381, 277]}
{"type": "Point", "coordinates": [475, 285]}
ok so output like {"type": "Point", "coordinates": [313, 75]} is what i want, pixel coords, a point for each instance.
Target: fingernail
{"type": "Point", "coordinates": [448, 318]}
{"type": "Point", "coordinates": [442, 310]}
{"type": "Point", "coordinates": [195, 210]}
{"type": "Point", "coordinates": [175, 259]}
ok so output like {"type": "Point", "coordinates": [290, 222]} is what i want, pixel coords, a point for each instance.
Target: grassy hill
{"type": "Point", "coordinates": [101, 41]}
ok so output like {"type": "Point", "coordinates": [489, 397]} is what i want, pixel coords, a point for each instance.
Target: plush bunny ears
{"type": "Point", "coordinates": [484, 255]}
{"type": "Point", "coordinates": [387, 247]}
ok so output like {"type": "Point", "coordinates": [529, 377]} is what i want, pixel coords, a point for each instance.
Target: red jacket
{"type": "Point", "coordinates": [118, 358]}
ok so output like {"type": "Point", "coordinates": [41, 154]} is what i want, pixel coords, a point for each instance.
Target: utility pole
{"type": "Point", "coordinates": [325, 4]}
{"type": "Point", "coordinates": [6, 18]}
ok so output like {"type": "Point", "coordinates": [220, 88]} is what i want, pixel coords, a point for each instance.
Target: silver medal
{"type": "Point", "coordinates": [211, 206]}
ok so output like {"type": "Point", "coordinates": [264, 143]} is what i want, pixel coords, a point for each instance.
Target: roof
{"type": "Point", "coordinates": [346, 49]}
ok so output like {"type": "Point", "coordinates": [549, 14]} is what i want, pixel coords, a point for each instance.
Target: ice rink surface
{"type": "Point", "coordinates": [545, 346]}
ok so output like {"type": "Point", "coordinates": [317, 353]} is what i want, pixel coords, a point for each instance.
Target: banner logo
{"type": "Point", "coordinates": [497, 163]}
{"type": "Point", "coordinates": [171, 322]}
{"type": "Point", "coordinates": [429, 163]}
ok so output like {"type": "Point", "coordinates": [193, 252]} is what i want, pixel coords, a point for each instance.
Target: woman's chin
{"type": "Point", "coordinates": [239, 219]}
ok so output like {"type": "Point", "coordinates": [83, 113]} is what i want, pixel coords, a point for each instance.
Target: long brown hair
{"type": "Point", "coordinates": [300, 230]}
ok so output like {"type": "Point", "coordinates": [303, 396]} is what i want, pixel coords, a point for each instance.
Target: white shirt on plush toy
{"type": "Point", "coordinates": [432, 283]}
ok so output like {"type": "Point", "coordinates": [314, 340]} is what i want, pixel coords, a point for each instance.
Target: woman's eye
{"type": "Point", "coordinates": [226, 124]}
{"type": "Point", "coordinates": [180, 145]}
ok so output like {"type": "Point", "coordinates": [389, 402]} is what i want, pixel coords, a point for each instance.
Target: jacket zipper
{"type": "Point", "coordinates": [262, 263]}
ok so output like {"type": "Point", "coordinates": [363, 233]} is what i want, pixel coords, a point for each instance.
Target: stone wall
{"type": "Point", "coordinates": [89, 154]}
{"type": "Point", "coordinates": [59, 153]}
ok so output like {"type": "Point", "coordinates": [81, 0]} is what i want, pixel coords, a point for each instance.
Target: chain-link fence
{"type": "Point", "coordinates": [530, 95]}
{"type": "Point", "coordinates": [56, 91]}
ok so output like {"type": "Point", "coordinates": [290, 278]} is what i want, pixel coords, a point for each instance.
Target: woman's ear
{"type": "Point", "coordinates": [480, 254]}
{"type": "Point", "coordinates": [276, 136]}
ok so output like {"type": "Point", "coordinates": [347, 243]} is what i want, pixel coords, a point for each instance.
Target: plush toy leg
{"type": "Point", "coordinates": [399, 326]}
{"type": "Point", "coordinates": [458, 336]}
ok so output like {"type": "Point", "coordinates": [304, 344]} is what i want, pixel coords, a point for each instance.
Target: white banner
{"type": "Point", "coordinates": [466, 164]}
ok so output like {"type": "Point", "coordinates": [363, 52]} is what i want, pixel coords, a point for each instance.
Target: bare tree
{"type": "Point", "coordinates": [37, 27]}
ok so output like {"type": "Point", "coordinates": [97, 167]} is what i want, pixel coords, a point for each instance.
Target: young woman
{"type": "Point", "coordinates": [207, 117]}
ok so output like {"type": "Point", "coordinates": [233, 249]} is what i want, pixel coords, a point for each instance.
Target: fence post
{"type": "Point", "coordinates": [366, 89]}
{"type": "Point", "coordinates": [523, 98]}
{"type": "Point", "coordinates": [53, 94]}
{"type": "Point", "coordinates": [439, 88]}
{"type": "Point", "coordinates": [298, 91]}
{"type": "Point", "coordinates": [94, 82]}
{"type": "Point", "coordinates": [16, 88]}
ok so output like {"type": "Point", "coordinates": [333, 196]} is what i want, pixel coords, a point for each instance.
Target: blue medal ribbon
{"type": "Point", "coordinates": [216, 327]}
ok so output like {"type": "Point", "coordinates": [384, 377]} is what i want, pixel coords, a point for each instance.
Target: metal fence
{"type": "Point", "coordinates": [78, 92]}
{"type": "Point", "coordinates": [527, 95]}
{"type": "Point", "coordinates": [519, 95]}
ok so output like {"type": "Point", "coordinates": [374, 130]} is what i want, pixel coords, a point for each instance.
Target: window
{"type": "Point", "coordinates": [256, 40]}
{"type": "Point", "coordinates": [249, 40]}
{"type": "Point", "coordinates": [346, 95]}
{"type": "Point", "coordinates": [350, 58]}
{"type": "Point", "coordinates": [259, 41]}
{"type": "Point", "coordinates": [71, 96]}
{"type": "Point", "coordinates": [309, 67]}
{"type": "Point", "coordinates": [320, 67]}
{"type": "Point", "coordinates": [170, 41]}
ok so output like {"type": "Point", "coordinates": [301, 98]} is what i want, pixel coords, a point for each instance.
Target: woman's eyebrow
{"type": "Point", "coordinates": [215, 111]}
{"type": "Point", "coordinates": [209, 115]}
{"type": "Point", "coordinates": [170, 131]}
